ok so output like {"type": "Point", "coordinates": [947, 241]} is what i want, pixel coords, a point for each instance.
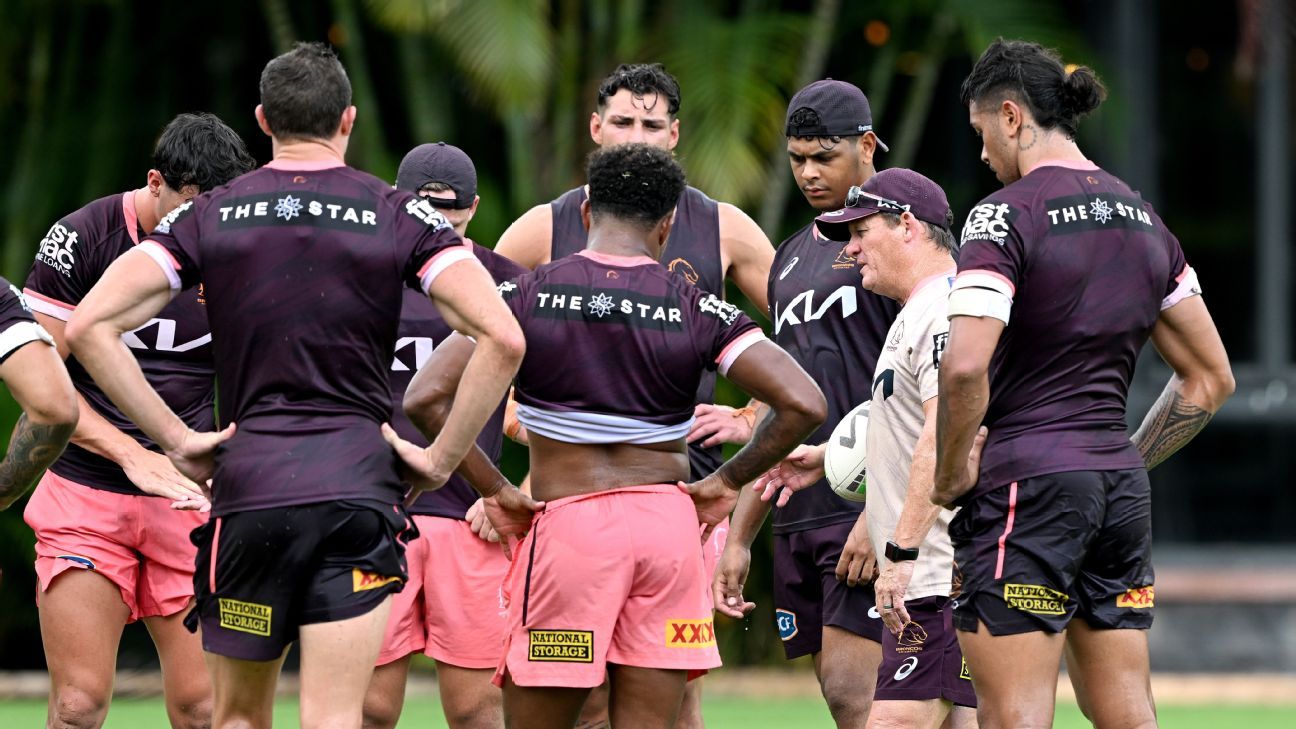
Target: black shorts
{"type": "Point", "coordinates": [262, 574]}
{"type": "Point", "coordinates": [1034, 554]}
{"type": "Point", "coordinates": [808, 595]}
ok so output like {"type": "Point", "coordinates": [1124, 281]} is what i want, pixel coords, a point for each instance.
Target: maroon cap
{"type": "Point", "coordinates": [439, 162]}
{"type": "Point", "coordinates": [896, 190]}
{"type": "Point", "coordinates": [830, 108]}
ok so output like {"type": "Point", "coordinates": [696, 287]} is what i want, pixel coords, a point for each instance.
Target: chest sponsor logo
{"type": "Point", "coordinates": [560, 646]}
{"type": "Point", "coordinates": [803, 309]}
{"type": "Point", "coordinates": [613, 306]}
{"type": "Point", "coordinates": [1137, 597]}
{"type": "Point", "coordinates": [690, 633]}
{"type": "Point", "coordinates": [844, 259]}
{"type": "Point", "coordinates": [786, 620]}
{"type": "Point", "coordinates": [56, 249]}
{"type": "Point", "coordinates": [939, 342]}
{"type": "Point", "coordinates": [912, 638]}
{"type": "Point", "coordinates": [788, 268]}
{"type": "Point", "coordinates": [682, 267]}
{"type": "Point", "coordinates": [1035, 599]}
{"type": "Point", "coordinates": [362, 580]}
{"type": "Point", "coordinates": [322, 211]}
{"type": "Point", "coordinates": [420, 347]}
{"type": "Point", "coordinates": [906, 668]}
{"type": "Point", "coordinates": [165, 340]}
{"type": "Point", "coordinates": [964, 673]}
{"type": "Point", "coordinates": [989, 221]}
{"type": "Point", "coordinates": [1078, 213]}
{"type": "Point", "coordinates": [245, 617]}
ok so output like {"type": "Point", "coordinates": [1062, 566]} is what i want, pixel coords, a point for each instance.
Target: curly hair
{"type": "Point", "coordinates": [199, 149]}
{"type": "Point", "coordinates": [1034, 75]}
{"type": "Point", "coordinates": [304, 92]}
{"type": "Point", "coordinates": [636, 183]}
{"type": "Point", "coordinates": [641, 79]}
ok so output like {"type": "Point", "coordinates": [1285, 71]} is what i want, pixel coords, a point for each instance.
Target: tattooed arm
{"type": "Point", "coordinates": [1187, 339]}
{"type": "Point", "coordinates": [38, 381]}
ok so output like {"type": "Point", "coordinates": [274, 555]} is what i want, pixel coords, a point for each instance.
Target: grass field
{"type": "Point", "coordinates": [721, 713]}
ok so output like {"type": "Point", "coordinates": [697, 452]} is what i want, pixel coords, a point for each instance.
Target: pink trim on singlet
{"type": "Point", "coordinates": [52, 307]}
{"type": "Point", "coordinates": [304, 165]}
{"type": "Point", "coordinates": [132, 216]}
{"type": "Point", "coordinates": [1184, 272]}
{"type": "Point", "coordinates": [736, 348]}
{"type": "Point", "coordinates": [1003, 538]}
{"type": "Point", "coordinates": [441, 261]}
{"type": "Point", "coordinates": [610, 260]}
{"type": "Point", "coordinates": [1066, 163]}
{"type": "Point", "coordinates": [929, 279]}
{"type": "Point", "coordinates": [211, 574]}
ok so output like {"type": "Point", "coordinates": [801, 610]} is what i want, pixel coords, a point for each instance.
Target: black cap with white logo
{"type": "Point", "coordinates": [830, 108]}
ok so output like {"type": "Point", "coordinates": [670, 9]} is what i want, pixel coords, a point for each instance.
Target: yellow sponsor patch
{"type": "Point", "coordinates": [1137, 597]}
{"type": "Point", "coordinates": [361, 580]}
{"type": "Point", "coordinates": [1035, 599]}
{"type": "Point", "coordinates": [561, 646]}
{"type": "Point", "coordinates": [690, 633]}
{"type": "Point", "coordinates": [247, 617]}
{"type": "Point", "coordinates": [963, 670]}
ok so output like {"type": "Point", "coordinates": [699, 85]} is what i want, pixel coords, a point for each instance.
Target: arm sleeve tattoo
{"type": "Point", "coordinates": [33, 447]}
{"type": "Point", "coordinates": [1168, 426]}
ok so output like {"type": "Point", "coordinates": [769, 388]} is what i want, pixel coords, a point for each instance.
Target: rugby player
{"type": "Point", "coordinates": [302, 262]}
{"type": "Point", "coordinates": [823, 558]}
{"type": "Point", "coordinates": [39, 382]}
{"type": "Point", "coordinates": [450, 608]}
{"type": "Point", "coordinates": [710, 241]}
{"type": "Point", "coordinates": [1064, 274]}
{"type": "Point", "coordinates": [898, 226]}
{"type": "Point", "coordinates": [611, 576]}
{"type": "Point", "coordinates": [108, 550]}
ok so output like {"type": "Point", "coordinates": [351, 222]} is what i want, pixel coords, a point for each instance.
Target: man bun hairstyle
{"type": "Point", "coordinates": [641, 80]}
{"type": "Point", "coordinates": [636, 183]}
{"type": "Point", "coordinates": [200, 150]}
{"type": "Point", "coordinates": [1035, 76]}
{"type": "Point", "coordinates": [304, 92]}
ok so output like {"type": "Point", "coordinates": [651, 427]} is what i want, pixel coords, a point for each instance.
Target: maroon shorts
{"type": "Point", "coordinates": [808, 595]}
{"type": "Point", "coordinates": [924, 662]}
{"type": "Point", "coordinates": [1034, 554]}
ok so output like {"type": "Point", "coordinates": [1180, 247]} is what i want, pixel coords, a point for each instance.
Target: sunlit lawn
{"type": "Point", "coordinates": [721, 713]}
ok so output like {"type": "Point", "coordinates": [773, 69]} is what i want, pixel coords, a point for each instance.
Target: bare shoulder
{"type": "Point", "coordinates": [529, 239]}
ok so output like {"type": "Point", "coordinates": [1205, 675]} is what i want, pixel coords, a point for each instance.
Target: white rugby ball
{"type": "Point", "coordinates": [844, 458]}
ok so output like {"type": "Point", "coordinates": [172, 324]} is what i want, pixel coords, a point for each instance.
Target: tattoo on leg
{"type": "Point", "coordinates": [32, 449]}
{"type": "Point", "coordinates": [1169, 425]}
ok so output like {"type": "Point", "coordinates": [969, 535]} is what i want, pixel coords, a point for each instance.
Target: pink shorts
{"type": "Point", "coordinates": [139, 543]}
{"type": "Point", "coordinates": [610, 577]}
{"type": "Point", "coordinates": [452, 607]}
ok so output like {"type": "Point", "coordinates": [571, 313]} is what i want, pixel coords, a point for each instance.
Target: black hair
{"type": "Point", "coordinates": [1035, 76]}
{"type": "Point", "coordinates": [641, 79]}
{"type": "Point", "coordinates": [199, 149]}
{"type": "Point", "coordinates": [637, 183]}
{"type": "Point", "coordinates": [304, 92]}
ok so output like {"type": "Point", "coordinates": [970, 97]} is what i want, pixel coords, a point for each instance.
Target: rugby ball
{"type": "Point", "coordinates": [844, 458]}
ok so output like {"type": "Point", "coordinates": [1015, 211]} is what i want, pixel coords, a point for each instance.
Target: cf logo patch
{"type": "Point", "coordinates": [1035, 599]}
{"type": "Point", "coordinates": [361, 580]}
{"type": "Point", "coordinates": [1137, 597]}
{"type": "Point", "coordinates": [245, 617]}
{"type": "Point", "coordinates": [690, 633]}
{"type": "Point", "coordinates": [786, 621]}
{"type": "Point", "coordinates": [561, 646]}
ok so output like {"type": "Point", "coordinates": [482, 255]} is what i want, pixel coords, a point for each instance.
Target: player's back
{"type": "Point", "coordinates": [616, 347]}
{"type": "Point", "coordinates": [302, 268]}
{"type": "Point", "coordinates": [1090, 265]}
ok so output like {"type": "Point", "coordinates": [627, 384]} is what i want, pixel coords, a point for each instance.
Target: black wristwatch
{"type": "Point", "coordinates": [897, 553]}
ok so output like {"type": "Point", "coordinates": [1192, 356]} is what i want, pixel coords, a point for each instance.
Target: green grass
{"type": "Point", "coordinates": [721, 713]}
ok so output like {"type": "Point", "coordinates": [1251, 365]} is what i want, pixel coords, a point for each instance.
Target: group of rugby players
{"type": "Point", "coordinates": [1005, 497]}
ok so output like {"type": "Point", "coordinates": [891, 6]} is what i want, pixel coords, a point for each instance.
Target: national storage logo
{"type": "Point", "coordinates": [245, 617]}
{"type": "Point", "coordinates": [1035, 599]}
{"type": "Point", "coordinates": [561, 646]}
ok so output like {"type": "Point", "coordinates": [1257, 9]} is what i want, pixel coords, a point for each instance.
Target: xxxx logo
{"type": "Point", "coordinates": [690, 633]}
{"type": "Point", "coordinates": [361, 580]}
{"type": "Point", "coordinates": [1137, 597]}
